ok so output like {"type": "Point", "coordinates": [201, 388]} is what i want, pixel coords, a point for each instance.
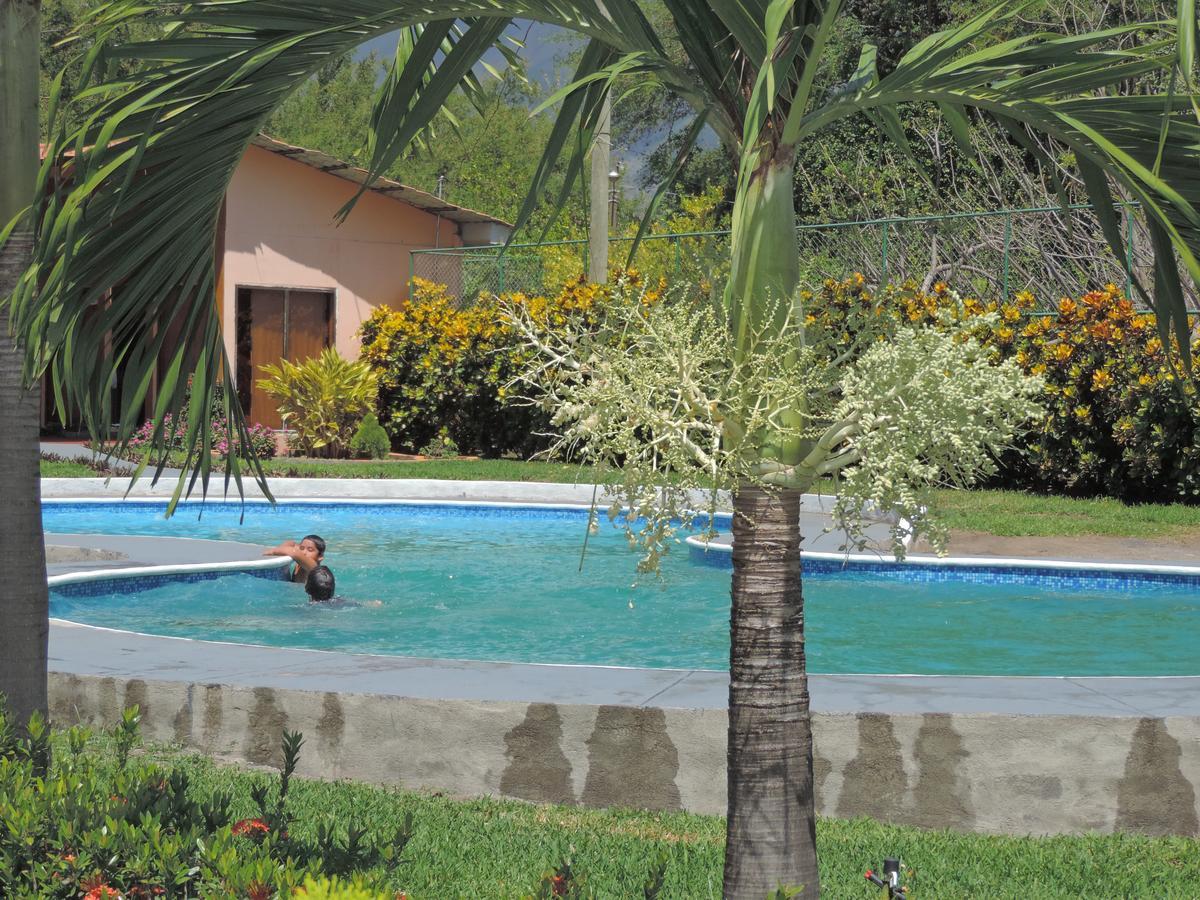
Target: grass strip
{"type": "Point", "coordinates": [499, 848]}
{"type": "Point", "coordinates": [1015, 514]}
{"type": "Point", "coordinates": [66, 468]}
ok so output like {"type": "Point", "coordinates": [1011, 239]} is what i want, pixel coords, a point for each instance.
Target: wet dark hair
{"type": "Point", "coordinates": [320, 584]}
{"type": "Point", "coordinates": [318, 542]}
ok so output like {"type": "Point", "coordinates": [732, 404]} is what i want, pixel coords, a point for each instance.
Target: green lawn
{"type": "Point", "coordinates": [451, 469]}
{"type": "Point", "coordinates": [493, 848]}
{"type": "Point", "coordinates": [1011, 513]}
{"type": "Point", "coordinates": [66, 468]}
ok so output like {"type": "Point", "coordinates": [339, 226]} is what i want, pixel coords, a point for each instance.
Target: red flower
{"type": "Point", "coordinates": [251, 828]}
{"type": "Point", "coordinates": [256, 890]}
{"type": "Point", "coordinates": [102, 892]}
{"type": "Point", "coordinates": [559, 886]}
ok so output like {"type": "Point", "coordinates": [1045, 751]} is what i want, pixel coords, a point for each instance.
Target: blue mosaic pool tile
{"type": "Point", "coordinates": [918, 572]}
{"type": "Point", "coordinates": [130, 584]}
{"type": "Point", "coordinates": [52, 508]}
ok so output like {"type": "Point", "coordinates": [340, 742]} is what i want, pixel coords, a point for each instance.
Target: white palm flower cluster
{"type": "Point", "coordinates": [655, 397]}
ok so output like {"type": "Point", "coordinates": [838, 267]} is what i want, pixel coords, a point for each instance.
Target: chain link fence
{"type": "Point", "coordinates": [1049, 252]}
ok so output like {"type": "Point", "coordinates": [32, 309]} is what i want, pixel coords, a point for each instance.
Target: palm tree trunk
{"type": "Point", "coordinates": [23, 597]}
{"type": "Point", "coordinates": [771, 825]}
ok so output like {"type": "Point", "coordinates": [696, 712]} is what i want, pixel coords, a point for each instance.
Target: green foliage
{"type": "Point", "coordinates": [331, 110]}
{"type": "Point", "coordinates": [84, 825]}
{"type": "Point", "coordinates": [105, 825]}
{"type": "Point", "coordinates": [370, 441]}
{"type": "Point", "coordinates": [336, 889]}
{"type": "Point", "coordinates": [491, 148]}
{"type": "Point", "coordinates": [323, 399]}
{"type": "Point", "coordinates": [655, 392]}
{"type": "Point", "coordinates": [62, 51]}
{"type": "Point", "coordinates": [1119, 419]}
{"type": "Point", "coordinates": [445, 368]}
{"type": "Point", "coordinates": [441, 447]}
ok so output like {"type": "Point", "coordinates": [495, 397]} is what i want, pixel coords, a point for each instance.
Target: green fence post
{"type": "Point", "coordinates": [884, 248]}
{"type": "Point", "coordinates": [677, 239]}
{"type": "Point", "coordinates": [411, 273]}
{"type": "Point", "coordinates": [501, 263]}
{"type": "Point", "coordinates": [1007, 251]}
{"type": "Point", "coordinates": [1128, 251]}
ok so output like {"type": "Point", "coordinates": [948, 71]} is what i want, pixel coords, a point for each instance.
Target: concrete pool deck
{"type": "Point", "coordinates": [986, 753]}
{"type": "Point", "coordinates": [86, 650]}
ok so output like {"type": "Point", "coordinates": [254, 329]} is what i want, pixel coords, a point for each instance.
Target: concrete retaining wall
{"type": "Point", "coordinates": [988, 773]}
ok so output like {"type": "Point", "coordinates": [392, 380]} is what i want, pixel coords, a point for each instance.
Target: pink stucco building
{"type": "Point", "coordinates": [292, 281]}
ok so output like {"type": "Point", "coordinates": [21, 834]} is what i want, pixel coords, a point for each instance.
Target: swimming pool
{"type": "Point", "coordinates": [503, 583]}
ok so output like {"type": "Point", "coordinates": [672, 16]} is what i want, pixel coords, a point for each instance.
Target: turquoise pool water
{"type": "Point", "coordinates": [503, 584]}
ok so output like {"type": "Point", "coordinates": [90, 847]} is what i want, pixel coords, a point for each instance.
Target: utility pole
{"type": "Point", "coordinates": [598, 224]}
{"type": "Point", "coordinates": [598, 221]}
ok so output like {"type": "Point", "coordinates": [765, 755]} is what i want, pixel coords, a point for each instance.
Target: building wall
{"type": "Point", "coordinates": [280, 232]}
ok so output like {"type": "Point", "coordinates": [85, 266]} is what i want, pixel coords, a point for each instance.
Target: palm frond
{"type": "Point", "coordinates": [1066, 90]}
{"type": "Point", "coordinates": [128, 203]}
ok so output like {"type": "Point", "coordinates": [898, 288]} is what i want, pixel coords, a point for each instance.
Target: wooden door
{"type": "Point", "coordinates": [275, 324]}
{"type": "Point", "coordinates": [308, 331]}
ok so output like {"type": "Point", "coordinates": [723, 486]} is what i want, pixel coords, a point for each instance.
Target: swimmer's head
{"type": "Point", "coordinates": [314, 545]}
{"type": "Point", "coordinates": [320, 584]}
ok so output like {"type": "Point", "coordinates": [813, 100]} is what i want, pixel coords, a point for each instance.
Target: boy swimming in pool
{"type": "Point", "coordinates": [307, 554]}
{"type": "Point", "coordinates": [320, 586]}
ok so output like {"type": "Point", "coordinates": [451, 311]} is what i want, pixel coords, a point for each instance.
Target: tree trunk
{"type": "Point", "coordinates": [24, 606]}
{"type": "Point", "coordinates": [771, 825]}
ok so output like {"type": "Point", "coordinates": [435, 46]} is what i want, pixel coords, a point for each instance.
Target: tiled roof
{"type": "Point", "coordinates": [386, 186]}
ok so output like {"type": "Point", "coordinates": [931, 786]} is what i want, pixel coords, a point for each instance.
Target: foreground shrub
{"type": "Point", "coordinates": [442, 368]}
{"type": "Point", "coordinates": [370, 441]}
{"type": "Point", "coordinates": [323, 399]}
{"type": "Point", "coordinates": [1119, 420]}
{"type": "Point", "coordinates": [104, 825]}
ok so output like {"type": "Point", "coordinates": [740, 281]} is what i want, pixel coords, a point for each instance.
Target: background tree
{"type": "Point", "coordinates": [24, 602]}
{"type": "Point", "coordinates": [158, 150]}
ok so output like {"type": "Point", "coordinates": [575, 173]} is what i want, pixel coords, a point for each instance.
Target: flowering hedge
{"type": "Point", "coordinates": [443, 368]}
{"type": "Point", "coordinates": [174, 433]}
{"type": "Point", "coordinates": [1119, 421]}
{"type": "Point", "coordinates": [262, 438]}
